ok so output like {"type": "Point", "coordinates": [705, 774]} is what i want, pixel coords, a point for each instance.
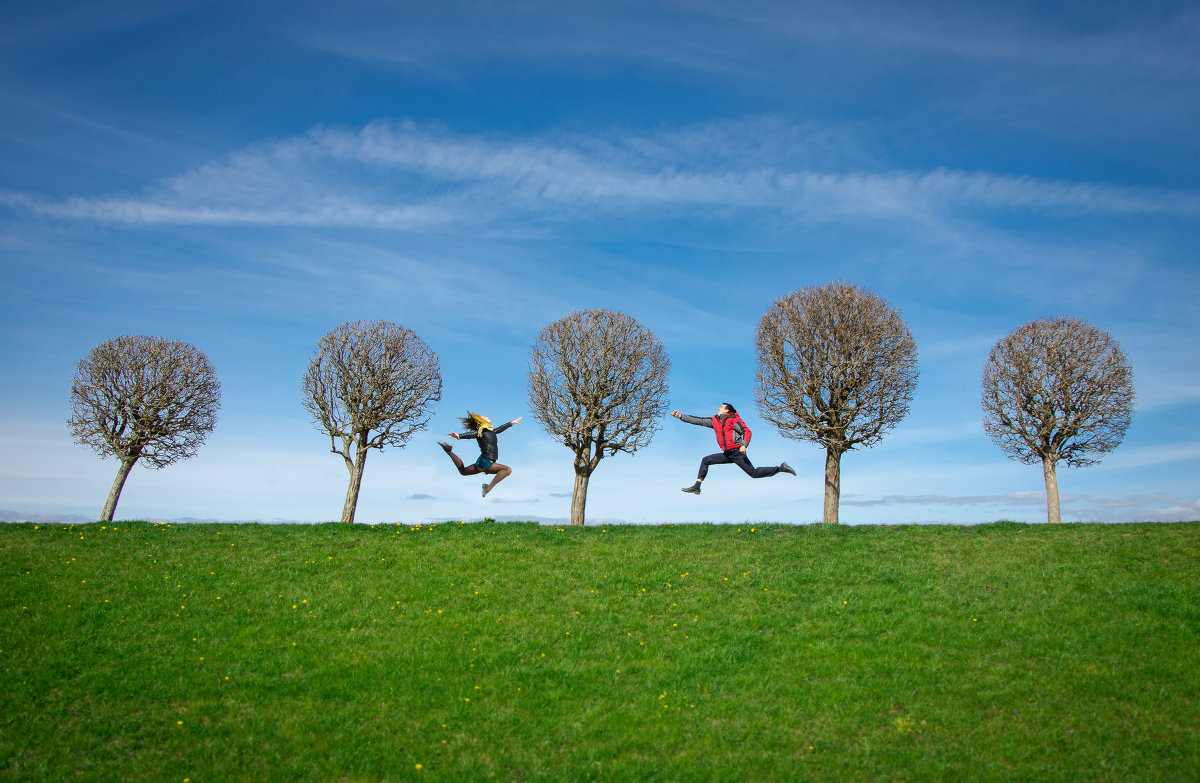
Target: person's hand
{"type": "Point", "coordinates": [742, 449]}
{"type": "Point", "coordinates": [675, 414]}
{"type": "Point", "coordinates": [454, 435]}
{"type": "Point", "coordinates": [517, 420]}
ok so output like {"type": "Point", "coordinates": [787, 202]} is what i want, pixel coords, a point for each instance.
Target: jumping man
{"type": "Point", "coordinates": [480, 427]}
{"type": "Point", "coordinates": [733, 436]}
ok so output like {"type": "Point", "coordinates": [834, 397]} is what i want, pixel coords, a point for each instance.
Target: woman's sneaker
{"type": "Point", "coordinates": [445, 446]}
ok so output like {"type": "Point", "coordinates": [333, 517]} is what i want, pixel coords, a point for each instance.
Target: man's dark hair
{"type": "Point", "coordinates": [730, 407]}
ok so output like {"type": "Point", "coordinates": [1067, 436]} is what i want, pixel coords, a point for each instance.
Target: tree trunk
{"type": "Point", "coordinates": [114, 494]}
{"type": "Point", "coordinates": [579, 497]}
{"type": "Point", "coordinates": [356, 471]}
{"type": "Point", "coordinates": [833, 485]}
{"type": "Point", "coordinates": [1053, 511]}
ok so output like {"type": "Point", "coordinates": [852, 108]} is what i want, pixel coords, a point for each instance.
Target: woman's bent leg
{"type": "Point", "coordinates": [463, 470]}
{"type": "Point", "coordinates": [500, 472]}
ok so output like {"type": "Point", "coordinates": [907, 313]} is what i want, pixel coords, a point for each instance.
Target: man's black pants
{"type": "Point", "coordinates": [736, 457]}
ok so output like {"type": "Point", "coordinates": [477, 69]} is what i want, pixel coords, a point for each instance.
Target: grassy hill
{"type": "Point", "coordinates": [702, 652]}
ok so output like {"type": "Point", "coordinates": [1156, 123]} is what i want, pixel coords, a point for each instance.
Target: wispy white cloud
{"type": "Point", "coordinates": [1128, 508]}
{"type": "Point", "coordinates": [27, 27]}
{"type": "Point", "coordinates": [1123, 71]}
{"type": "Point", "coordinates": [1010, 499]}
{"type": "Point", "coordinates": [414, 178]}
{"type": "Point", "coordinates": [983, 33]}
{"type": "Point", "coordinates": [1148, 456]}
{"type": "Point", "coordinates": [954, 349]}
{"type": "Point", "coordinates": [940, 431]}
{"type": "Point", "coordinates": [716, 36]}
{"type": "Point", "coordinates": [439, 44]}
{"type": "Point", "coordinates": [512, 500]}
{"type": "Point", "coordinates": [1136, 508]}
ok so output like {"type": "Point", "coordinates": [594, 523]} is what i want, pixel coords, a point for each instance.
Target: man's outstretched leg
{"type": "Point", "coordinates": [743, 462]}
{"type": "Point", "coordinates": [711, 459]}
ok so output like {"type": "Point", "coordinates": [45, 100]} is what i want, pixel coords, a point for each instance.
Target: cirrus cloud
{"type": "Point", "coordinates": [409, 177]}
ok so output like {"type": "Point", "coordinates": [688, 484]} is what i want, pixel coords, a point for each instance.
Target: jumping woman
{"type": "Point", "coordinates": [480, 428]}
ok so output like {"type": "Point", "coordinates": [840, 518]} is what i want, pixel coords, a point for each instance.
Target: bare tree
{"type": "Point", "coordinates": [837, 366]}
{"type": "Point", "coordinates": [1057, 389]}
{"type": "Point", "coordinates": [370, 384]}
{"type": "Point", "coordinates": [136, 397]}
{"type": "Point", "coordinates": [598, 383]}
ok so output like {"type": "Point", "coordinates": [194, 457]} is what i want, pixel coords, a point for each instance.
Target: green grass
{"type": "Point", "coordinates": [237, 652]}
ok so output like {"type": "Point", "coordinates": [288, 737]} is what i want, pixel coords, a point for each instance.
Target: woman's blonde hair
{"type": "Point", "coordinates": [476, 421]}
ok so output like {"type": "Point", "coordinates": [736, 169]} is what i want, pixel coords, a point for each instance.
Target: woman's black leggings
{"type": "Point", "coordinates": [736, 457]}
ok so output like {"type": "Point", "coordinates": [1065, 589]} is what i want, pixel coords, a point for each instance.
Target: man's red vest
{"type": "Point", "coordinates": [725, 434]}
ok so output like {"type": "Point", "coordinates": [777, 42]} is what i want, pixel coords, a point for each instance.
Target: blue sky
{"type": "Point", "coordinates": [247, 176]}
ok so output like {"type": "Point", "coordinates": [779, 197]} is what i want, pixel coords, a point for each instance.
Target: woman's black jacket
{"type": "Point", "coordinates": [488, 446]}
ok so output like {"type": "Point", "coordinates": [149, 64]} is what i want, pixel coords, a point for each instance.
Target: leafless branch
{"type": "Point", "coordinates": [370, 384]}
{"type": "Point", "coordinates": [598, 383]}
{"type": "Point", "coordinates": [837, 366]}
{"type": "Point", "coordinates": [136, 397]}
{"type": "Point", "coordinates": [143, 398]}
{"type": "Point", "coordinates": [1057, 389]}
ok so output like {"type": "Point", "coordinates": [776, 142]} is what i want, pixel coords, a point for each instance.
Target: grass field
{"type": "Point", "coordinates": [703, 652]}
